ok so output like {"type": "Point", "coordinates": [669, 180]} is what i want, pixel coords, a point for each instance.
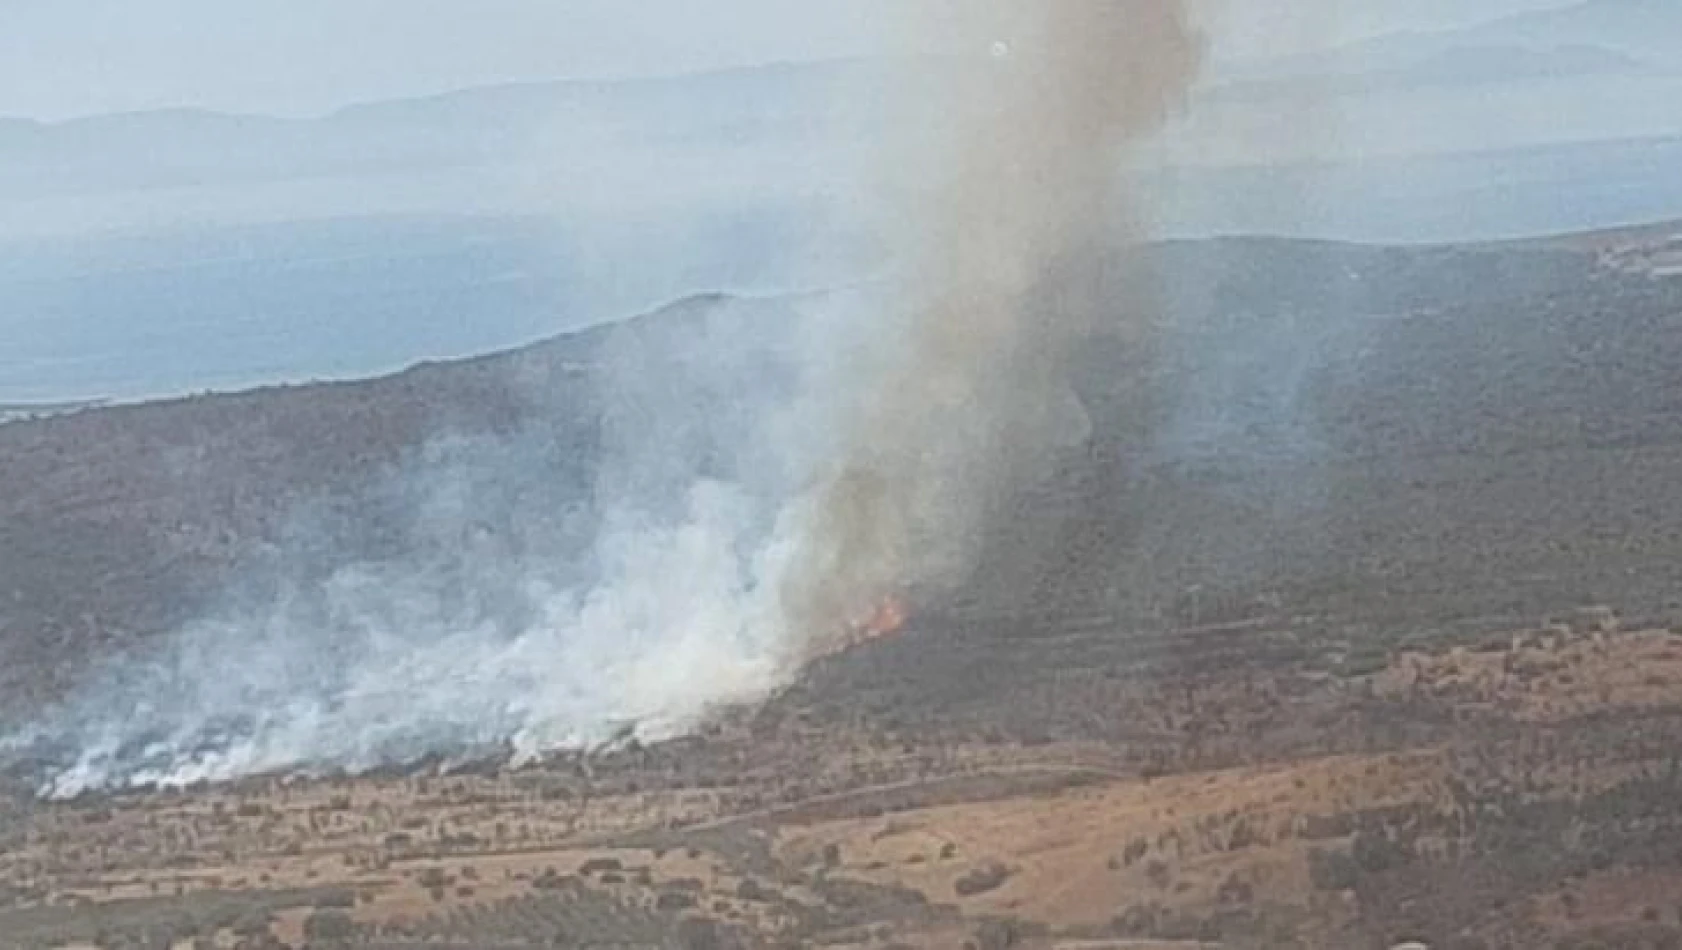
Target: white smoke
{"type": "Point", "coordinates": [672, 627]}
{"type": "Point", "coordinates": [514, 613]}
{"type": "Point", "coordinates": [761, 476]}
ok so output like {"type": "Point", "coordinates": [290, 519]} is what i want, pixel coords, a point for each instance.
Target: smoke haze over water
{"type": "Point", "coordinates": [757, 485]}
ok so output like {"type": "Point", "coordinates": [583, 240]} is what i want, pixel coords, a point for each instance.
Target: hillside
{"type": "Point", "coordinates": [1359, 434]}
{"type": "Point", "coordinates": [119, 523]}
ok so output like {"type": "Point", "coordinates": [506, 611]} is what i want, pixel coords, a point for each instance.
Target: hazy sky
{"type": "Point", "coordinates": [62, 58]}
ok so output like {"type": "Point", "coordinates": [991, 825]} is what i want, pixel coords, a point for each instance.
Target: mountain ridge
{"type": "Point", "coordinates": [1645, 31]}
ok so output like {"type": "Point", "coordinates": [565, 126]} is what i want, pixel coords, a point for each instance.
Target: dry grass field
{"type": "Point", "coordinates": [1517, 793]}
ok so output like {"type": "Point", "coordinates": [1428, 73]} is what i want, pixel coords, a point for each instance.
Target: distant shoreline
{"type": "Point", "coordinates": [26, 411]}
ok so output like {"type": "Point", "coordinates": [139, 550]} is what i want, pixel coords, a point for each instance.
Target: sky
{"type": "Point", "coordinates": [65, 58]}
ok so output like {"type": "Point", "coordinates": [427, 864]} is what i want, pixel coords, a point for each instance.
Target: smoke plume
{"type": "Point", "coordinates": [764, 475]}
{"type": "Point", "coordinates": [976, 391]}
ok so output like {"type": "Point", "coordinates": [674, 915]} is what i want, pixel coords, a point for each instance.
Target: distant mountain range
{"type": "Point", "coordinates": [807, 110]}
{"type": "Point", "coordinates": [1651, 29]}
{"type": "Point", "coordinates": [769, 105]}
{"type": "Point", "coordinates": [1357, 74]}
{"type": "Point", "coordinates": [777, 157]}
{"type": "Point", "coordinates": [1592, 36]}
{"type": "Point", "coordinates": [1499, 63]}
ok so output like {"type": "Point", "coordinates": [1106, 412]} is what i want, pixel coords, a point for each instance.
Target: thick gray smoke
{"type": "Point", "coordinates": [761, 480]}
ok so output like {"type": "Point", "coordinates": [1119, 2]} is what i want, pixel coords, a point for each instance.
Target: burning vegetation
{"type": "Point", "coordinates": [888, 619]}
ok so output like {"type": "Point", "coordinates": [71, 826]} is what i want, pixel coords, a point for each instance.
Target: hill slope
{"type": "Point", "coordinates": [1362, 434]}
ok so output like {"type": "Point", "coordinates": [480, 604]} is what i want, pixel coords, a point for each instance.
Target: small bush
{"type": "Point", "coordinates": [599, 865]}
{"type": "Point", "coordinates": [1244, 836]}
{"type": "Point", "coordinates": [1375, 853]}
{"type": "Point", "coordinates": [1332, 870]}
{"type": "Point", "coordinates": [673, 901]}
{"type": "Point", "coordinates": [999, 935]}
{"type": "Point", "coordinates": [1135, 921]}
{"type": "Point", "coordinates": [252, 923]}
{"type": "Point", "coordinates": [1236, 891]}
{"type": "Point", "coordinates": [338, 897]}
{"type": "Point", "coordinates": [549, 880]}
{"type": "Point", "coordinates": [697, 934]}
{"type": "Point", "coordinates": [329, 925]}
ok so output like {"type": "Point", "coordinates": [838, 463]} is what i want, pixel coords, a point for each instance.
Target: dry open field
{"type": "Point", "coordinates": [1522, 791]}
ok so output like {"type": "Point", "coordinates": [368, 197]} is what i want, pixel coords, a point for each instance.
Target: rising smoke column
{"type": "Point", "coordinates": [975, 394]}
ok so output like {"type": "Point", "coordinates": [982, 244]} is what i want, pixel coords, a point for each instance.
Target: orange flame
{"type": "Point", "coordinates": [888, 620]}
